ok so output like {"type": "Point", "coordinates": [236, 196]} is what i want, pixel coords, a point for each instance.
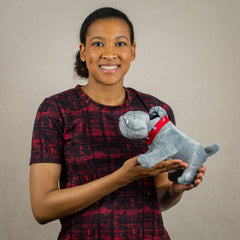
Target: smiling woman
{"type": "Point", "coordinates": [108, 53]}
{"type": "Point", "coordinates": [103, 13]}
{"type": "Point", "coordinates": [104, 193]}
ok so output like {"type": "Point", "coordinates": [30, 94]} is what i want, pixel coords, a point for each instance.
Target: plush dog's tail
{"type": "Point", "coordinates": [212, 149]}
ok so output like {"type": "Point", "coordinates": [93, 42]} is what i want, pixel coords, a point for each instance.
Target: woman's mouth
{"type": "Point", "coordinates": [109, 68]}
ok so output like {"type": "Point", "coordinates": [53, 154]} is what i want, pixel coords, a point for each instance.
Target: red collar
{"type": "Point", "coordinates": [155, 130]}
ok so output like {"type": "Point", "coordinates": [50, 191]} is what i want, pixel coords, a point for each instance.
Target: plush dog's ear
{"type": "Point", "coordinates": [159, 110]}
{"type": "Point", "coordinates": [153, 115]}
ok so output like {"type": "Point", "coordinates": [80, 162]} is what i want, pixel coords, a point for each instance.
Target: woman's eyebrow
{"type": "Point", "coordinates": [102, 38]}
{"type": "Point", "coordinates": [122, 37]}
{"type": "Point", "coordinates": [96, 37]}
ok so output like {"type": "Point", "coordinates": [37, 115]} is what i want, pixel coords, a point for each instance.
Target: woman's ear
{"type": "Point", "coordinates": [133, 51]}
{"type": "Point", "coordinates": [82, 52]}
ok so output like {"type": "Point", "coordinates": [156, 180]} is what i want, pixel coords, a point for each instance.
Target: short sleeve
{"type": "Point", "coordinates": [47, 138]}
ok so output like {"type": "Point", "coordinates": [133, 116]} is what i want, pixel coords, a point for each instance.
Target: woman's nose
{"type": "Point", "coordinates": [109, 54]}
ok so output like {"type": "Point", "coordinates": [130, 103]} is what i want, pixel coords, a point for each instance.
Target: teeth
{"type": "Point", "coordinates": [109, 67]}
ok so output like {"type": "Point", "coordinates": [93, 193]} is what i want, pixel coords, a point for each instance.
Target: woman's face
{"type": "Point", "coordinates": [108, 51]}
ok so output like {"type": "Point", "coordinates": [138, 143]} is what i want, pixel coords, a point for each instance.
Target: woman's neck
{"type": "Point", "coordinates": [105, 95]}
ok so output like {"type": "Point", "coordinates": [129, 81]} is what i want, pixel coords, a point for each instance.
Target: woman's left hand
{"type": "Point", "coordinates": [177, 187]}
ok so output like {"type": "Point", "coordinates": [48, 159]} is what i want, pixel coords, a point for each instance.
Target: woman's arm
{"type": "Point", "coordinates": [169, 193]}
{"type": "Point", "coordinates": [166, 197]}
{"type": "Point", "coordinates": [50, 203]}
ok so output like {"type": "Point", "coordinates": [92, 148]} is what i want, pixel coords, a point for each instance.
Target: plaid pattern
{"type": "Point", "coordinates": [82, 135]}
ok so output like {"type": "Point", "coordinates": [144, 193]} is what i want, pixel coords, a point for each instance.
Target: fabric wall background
{"type": "Point", "coordinates": [187, 55]}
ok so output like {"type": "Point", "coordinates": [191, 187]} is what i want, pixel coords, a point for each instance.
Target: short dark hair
{"type": "Point", "coordinates": [101, 13]}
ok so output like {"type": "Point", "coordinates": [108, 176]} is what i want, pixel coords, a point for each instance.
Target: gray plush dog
{"type": "Point", "coordinates": [164, 141]}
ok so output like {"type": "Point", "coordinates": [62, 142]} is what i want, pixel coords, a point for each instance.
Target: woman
{"type": "Point", "coordinates": [104, 193]}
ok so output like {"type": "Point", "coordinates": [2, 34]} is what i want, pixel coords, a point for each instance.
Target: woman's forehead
{"type": "Point", "coordinates": [109, 26]}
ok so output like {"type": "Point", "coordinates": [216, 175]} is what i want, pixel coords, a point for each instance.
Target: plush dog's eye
{"type": "Point", "coordinates": [125, 120]}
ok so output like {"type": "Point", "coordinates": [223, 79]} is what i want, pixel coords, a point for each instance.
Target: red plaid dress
{"type": "Point", "coordinates": [83, 136]}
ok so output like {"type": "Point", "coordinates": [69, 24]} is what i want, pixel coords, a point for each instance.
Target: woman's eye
{"type": "Point", "coordinates": [98, 44]}
{"type": "Point", "coordinates": [119, 44]}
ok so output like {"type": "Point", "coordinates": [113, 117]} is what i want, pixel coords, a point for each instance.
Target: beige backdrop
{"type": "Point", "coordinates": [188, 55]}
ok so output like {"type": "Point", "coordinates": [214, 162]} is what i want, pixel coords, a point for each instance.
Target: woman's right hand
{"type": "Point", "coordinates": [49, 202]}
{"type": "Point", "coordinates": [132, 170]}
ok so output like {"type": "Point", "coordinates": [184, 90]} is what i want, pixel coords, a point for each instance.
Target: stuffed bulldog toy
{"type": "Point", "coordinates": [165, 141]}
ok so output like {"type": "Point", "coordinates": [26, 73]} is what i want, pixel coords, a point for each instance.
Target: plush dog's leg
{"type": "Point", "coordinates": [151, 158]}
{"type": "Point", "coordinates": [189, 174]}
{"type": "Point", "coordinates": [195, 162]}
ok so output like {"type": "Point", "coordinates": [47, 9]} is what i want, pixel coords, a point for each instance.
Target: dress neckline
{"type": "Point", "coordinates": [88, 100]}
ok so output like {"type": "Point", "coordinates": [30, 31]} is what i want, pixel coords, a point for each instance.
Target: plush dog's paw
{"type": "Point", "coordinates": [186, 179]}
{"type": "Point", "coordinates": [144, 162]}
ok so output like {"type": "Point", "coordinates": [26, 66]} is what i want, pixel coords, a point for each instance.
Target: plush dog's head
{"type": "Point", "coordinates": [137, 124]}
{"type": "Point", "coordinates": [134, 124]}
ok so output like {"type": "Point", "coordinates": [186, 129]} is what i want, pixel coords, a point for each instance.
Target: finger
{"type": "Point", "coordinates": [197, 182]}
{"type": "Point", "coordinates": [179, 162]}
{"type": "Point", "coordinates": [176, 161]}
{"type": "Point", "coordinates": [135, 161]}
{"type": "Point", "coordinates": [202, 169]}
{"type": "Point", "coordinates": [200, 175]}
{"type": "Point", "coordinates": [181, 188]}
{"type": "Point", "coordinates": [170, 164]}
{"type": "Point", "coordinates": [163, 167]}
{"type": "Point", "coordinates": [189, 187]}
